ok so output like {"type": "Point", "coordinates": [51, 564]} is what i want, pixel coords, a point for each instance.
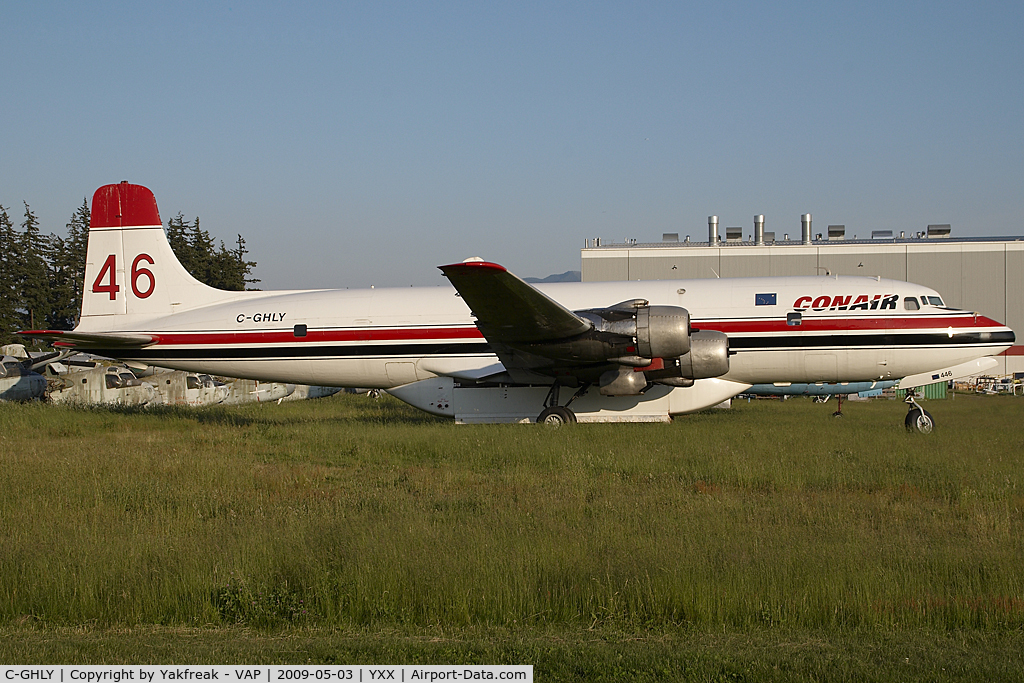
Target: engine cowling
{"type": "Point", "coordinates": [662, 331]}
{"type": "Point", "coordinates": [708, 357]}
{"type": "Point", "coordinates": [631, 333]}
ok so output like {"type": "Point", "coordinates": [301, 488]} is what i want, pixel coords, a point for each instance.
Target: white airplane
{"type": "Point", "coordinates": [496, 349]}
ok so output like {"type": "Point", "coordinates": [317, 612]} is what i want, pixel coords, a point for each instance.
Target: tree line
{"type": "Point", "coordinates": [41, 276]}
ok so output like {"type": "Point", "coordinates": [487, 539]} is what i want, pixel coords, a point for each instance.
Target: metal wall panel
{"type": "Point", "coordinates": [984, 280]}
{"type": "Point", "coordinates": [793, 261]}
{"type": "Point", "coordinates": [888, 261]}
{"type": "Point", "coordinates": [693, 263]}
{"type": "Point", "coordinates": [605, 266]}
{"type": "Point", "coordinates": [1015, 289]}
{"type": "Point", "coordinates": [937, 266]}
{"type": "Point", "coordinates": [746, 262]}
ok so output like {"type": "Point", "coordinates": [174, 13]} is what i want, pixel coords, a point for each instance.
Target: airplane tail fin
{"type": "Point", "coordinates": [130, 268]}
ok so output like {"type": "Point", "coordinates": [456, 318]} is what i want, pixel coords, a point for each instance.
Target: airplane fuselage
{"type": "Point", "coordinates": [794, 329]}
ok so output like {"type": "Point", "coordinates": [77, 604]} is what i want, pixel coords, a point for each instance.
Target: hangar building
{"type": "Point", "coordinates": [983, 274]}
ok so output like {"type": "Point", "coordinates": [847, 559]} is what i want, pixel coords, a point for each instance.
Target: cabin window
{"type": "Point", "coordinates": [300, 331]}
{"type": "Point", "coordinates": [910, 303]}
{"type": "Point", "coordinates": [794, 318]}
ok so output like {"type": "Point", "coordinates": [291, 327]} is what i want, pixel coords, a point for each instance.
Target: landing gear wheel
{"type": "Point", "coordinates": [556, 416]}
{"type": "Point", "coordinates": [919, 420]}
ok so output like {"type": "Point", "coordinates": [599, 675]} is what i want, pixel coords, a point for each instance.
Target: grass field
{"type": "Point", "coordinates": [769, 541]}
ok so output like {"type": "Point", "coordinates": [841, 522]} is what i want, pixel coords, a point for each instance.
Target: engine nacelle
{"type": "Point", "coordinates": [662, 331]}
{"type": "Point", "coordinates": [708, 357]}
{"type": "Point", "coordinates": [630, 333]}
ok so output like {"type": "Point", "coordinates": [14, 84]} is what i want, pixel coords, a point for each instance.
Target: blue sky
{"type": "Point", "coordinates": [366, 143]}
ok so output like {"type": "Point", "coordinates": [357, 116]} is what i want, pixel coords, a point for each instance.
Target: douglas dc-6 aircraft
{"type": "Point", "coordinates": [496, 349]}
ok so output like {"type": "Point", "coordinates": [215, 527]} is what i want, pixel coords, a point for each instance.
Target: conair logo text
{"type": "Point", "coordinates": [862, 302]}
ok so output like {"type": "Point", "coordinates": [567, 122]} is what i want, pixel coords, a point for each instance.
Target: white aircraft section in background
{"type": "Point", "coordinates": [254, 391]}
{"type": "Point", "coordinates": [495, 348]}
{"type": "Point", "coordinates": [305, 391]}
{"type": "Point", "coordinates": [20, 378]}
{"type": "Point", "coordinates": [102, 385]}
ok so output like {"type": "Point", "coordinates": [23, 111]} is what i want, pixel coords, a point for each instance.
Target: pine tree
{"type": "Point", "coordinates": [244, 267]}
{"type": "Point", "coordinates": [65, 286]}
{"type": "Point", "coordinates": [77, 246]}
{"type": "Point", "coordinates": [9, 321]}
{"type": "Point", "coordinates": [194, 247]}
{"type": "Point", "coordinates": [32, 283]}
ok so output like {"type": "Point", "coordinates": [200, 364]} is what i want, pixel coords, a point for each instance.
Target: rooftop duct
{"type": "Point", "coordinates": [837, 232]}
{"type": "Point", "coordinates": [940, 231]}
{"type": "Point", "coordinates": [713, 230]}
{"type": "Point", "coordinates": [805, 224]}
{"type": "Point", "coordinates": [759, 229]}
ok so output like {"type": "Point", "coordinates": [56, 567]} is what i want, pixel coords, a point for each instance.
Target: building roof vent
{"type": "Point", "coordinates": [939, 231]}
{"type": "Point", "coordinates": [881, 234]}
{"type": "Point", "coordinates": [837, 232]}
{"type": "Point", "coordinates": [734, 234]}
{"type": "Point", "coordinates": [670, 237]}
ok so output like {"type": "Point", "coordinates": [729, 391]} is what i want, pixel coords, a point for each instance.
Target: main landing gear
{"type": "Point", "coordinates": [556, 415]}
{"type": "Point", "coordinates": [918, 419]}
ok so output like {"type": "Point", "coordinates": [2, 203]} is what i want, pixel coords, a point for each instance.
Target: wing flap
{"type": "Point", "coordinates": [507, 309]}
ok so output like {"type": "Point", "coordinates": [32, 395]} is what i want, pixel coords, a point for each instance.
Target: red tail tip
{"type": "Point", "coordinates": [123, 205]}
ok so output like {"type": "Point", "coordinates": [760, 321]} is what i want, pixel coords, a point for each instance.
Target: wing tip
{"type": "Point", "coordinates": [473, 265]}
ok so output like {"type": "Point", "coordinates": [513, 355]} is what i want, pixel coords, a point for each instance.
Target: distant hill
{"type": "Point", "coordinates": [567, 276]}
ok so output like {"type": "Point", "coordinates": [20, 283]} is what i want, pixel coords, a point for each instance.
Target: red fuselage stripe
{"type": "Point", "coordinates": [732, 327]}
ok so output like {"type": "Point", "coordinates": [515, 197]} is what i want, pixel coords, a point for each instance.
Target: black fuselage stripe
{"type": "Point", "coordinates": [935, 339]}
{"type": "Point", "coordinates": [880, 340]}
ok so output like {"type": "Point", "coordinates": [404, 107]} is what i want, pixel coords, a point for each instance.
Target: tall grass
{"type": "Point", "coordinates": [350, 512]}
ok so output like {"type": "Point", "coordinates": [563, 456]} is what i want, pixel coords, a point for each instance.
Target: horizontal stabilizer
{"type": "Point", "coordinates": [94, 340]}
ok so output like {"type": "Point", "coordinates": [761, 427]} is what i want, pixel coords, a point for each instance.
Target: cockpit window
{"type": "Point", "coordinates": [113, 381]}
{"type": "Point", "coordinates": [933, 300]}
{"type": "Point", "coordinates": [192, 382]}
{"type": "Point", "coordinates": [130, 380]}
{"type": "Point", "coordinates": [910, 303]}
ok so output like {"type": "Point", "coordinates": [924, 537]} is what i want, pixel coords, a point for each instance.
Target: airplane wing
{"type": "Point", "coordinates": [514, 317]}
{"type": "Point", "coordinates": [510, 311]}
{"type": "Point", "coordinates": [95, 340]}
